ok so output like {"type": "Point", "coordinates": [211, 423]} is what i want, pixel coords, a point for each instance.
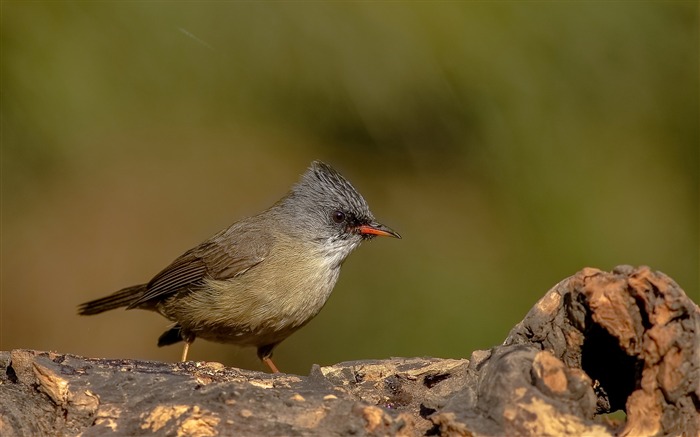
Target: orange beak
{"type": "Point", "coordinates": [377, 229]}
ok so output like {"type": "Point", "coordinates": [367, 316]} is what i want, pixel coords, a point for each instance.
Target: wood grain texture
{"type": "Point", "coordinates": [596, 342]}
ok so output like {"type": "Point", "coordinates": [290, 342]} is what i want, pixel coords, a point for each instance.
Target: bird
{"type": "Point", "coordinates": [265, 276]}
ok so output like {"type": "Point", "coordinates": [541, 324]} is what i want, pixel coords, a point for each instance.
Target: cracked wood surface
{"type": "Point", "coordinates": [595, 343]}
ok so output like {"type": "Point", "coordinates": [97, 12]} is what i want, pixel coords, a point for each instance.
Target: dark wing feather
{"type": "Point", "coordinates": [234, 252]}
{"type": "Point", "coordinates": [226, 255]}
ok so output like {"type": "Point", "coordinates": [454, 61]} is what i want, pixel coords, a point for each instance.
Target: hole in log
{"type": "Point", "coordinates": [11, 374]}
{"type": "Point", "coordinates": [604, 361]}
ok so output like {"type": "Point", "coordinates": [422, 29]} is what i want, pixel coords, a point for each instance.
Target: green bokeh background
{"type": "Point", "coordinates": [511, 144]}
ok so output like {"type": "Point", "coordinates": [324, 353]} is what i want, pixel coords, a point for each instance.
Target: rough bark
{"type": "Point", "coordinates": [597, 342]}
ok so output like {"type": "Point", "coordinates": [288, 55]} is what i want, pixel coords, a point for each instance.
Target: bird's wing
{"type": "Point", "coordinates": [228, 254]}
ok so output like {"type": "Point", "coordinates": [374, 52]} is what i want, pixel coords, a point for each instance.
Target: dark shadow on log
{"type": "Point", "coordinates": [595, 343]}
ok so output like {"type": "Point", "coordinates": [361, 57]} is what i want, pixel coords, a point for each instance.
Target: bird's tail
{"type": "Point", "coordinates": [118, 299]}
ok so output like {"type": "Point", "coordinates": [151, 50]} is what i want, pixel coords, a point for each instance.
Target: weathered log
{"type": "Point", "coordinates": [595, 343]}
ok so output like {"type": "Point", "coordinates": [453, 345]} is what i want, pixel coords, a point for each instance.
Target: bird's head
{"type": "Point", "coordinates": [326, 209]}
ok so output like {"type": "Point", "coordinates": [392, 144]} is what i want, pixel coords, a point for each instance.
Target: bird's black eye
{"type": "Point", "coordinates": [338, 216]}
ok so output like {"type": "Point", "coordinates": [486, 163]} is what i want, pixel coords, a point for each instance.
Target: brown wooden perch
{"type": "Point", "coordinates": [595, 343]}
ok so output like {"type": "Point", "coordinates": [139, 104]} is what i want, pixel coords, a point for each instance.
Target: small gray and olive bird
{"type": "Point", "coordinates": [264, 277]}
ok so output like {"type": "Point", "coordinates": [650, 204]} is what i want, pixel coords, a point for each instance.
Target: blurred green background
{"type": "Point", "coordinates": [511, 144]}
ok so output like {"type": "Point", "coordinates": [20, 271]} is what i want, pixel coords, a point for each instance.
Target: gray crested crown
{"type": "Point", "coordinates": [316, 197]}
{"type": "Point", "coordinates": [322, 186]}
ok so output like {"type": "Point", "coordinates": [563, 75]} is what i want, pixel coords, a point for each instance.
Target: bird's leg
{"type": "Point", "coordinates": [188, 341]}
{"type": "Point", "coordinates": [265, 355]}
{"type": "Point", "coordinates": [270, 364]}
{"type": "Point", "coordinates": [184, 351]}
